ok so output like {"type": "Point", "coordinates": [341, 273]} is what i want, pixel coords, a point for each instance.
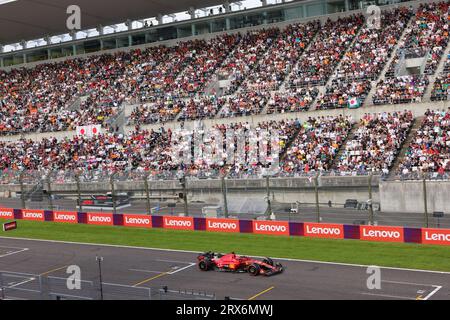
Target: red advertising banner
{"type": "Point", "coordinates": [32, 214]}
{"type": "Point", "coordinates": [436, 236]}
{"type": "Point", "coordinates": [179, 223]}
{"type": "Point", "coordinates": [323, 230]}
{"type": "Point", "coordinates": [6, 213]}
{"type": "Point", "coordinates": [8, 226]}
{"type": "Point", "coordinates": [65, 216]}
{"type": "Point", "coordinates": [381, 233]}
{"type": "Point", "coordinates": [105, 219]}
{"type": "Point", "coordinates": [222, 225]}
{"type": "Point", "coordinates": [271, 227]}
{"type": "Point", "coordinates": [137, 220]}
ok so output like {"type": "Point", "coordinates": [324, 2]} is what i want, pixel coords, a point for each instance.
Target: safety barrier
{"type": "Point", "coordinates": [306, 229]}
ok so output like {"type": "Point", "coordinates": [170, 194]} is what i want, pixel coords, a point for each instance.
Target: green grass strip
{"type": "Point", "coordinates": [402, 255]}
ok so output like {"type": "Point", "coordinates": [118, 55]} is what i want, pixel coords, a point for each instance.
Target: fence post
{"type": "Point", "coordinates": [77, 179]}
{"type": "Point", "coordinates": [269, 205]}
{"type": "Point", "coordinates": [370, 200]}
{"type": "Point", "coordinates": [425, 199]}
{"type": "Point", "coordinates": [49, 192]}
{"type": "Point", "coordinates": [147, 195]}
{"type": "Point", "coordinates": [22, 190]}
{"type": "Point", "coordinates": [183, 182]}
{"type": "Point", "coordinates": [316, 190]}
{"type": "Point", "coordinates": [224, 192]}
{"type": "Point", "coordinates": [113, 193]}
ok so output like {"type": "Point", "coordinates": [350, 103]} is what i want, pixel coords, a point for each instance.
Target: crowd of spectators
{"type": "Point", "coordinates": [373, 46]}
{"type": "Point", "coordinates": [245, 56]}
{"type": "Point", "coordinates": [316, 65]}
{"type": "Point", "coordinates": [293, 100]}
{"type": "Point", "coordinates": [340, 93]}
{"type": "Point", "coordinates": [162, 110]}
{"type": "Point", "coordinates": [316, 145]}
{"type": "Point", "coordinates": [429, 150]}
{"type": "Point", "coordinates": [276, 63]}
{"type": "Point", "coordinates": [405, 89]}
{"type": "Point", "coordinates": [441, 86]}
{"type": "Point", "coordinates": [203, 62]}
{"type": "Point", "coordinates": [426, 37]}
{"type": "Point", "coordinates": [201, 108]}
{"type": "Point", "coordinates": [376, 142]}
{"type": "Point", "coordinates": [245, 104]}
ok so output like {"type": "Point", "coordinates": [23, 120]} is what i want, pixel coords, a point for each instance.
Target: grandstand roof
{"type": "Point", "coordinates": [33, 19]}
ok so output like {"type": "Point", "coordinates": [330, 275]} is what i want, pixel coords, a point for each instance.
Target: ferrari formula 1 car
{"type": "Point", "coordinates": [235, 263]}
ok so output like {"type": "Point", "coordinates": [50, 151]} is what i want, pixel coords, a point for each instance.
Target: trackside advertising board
{"type": "Point", "coordinates": [65, 216]}
{"type": "Point", "coordinates": [436, 236]}
{"type": "Point", "coordinates": [10, 226]}
{"type": "Point", "coordinates": [381, 233]}
{"type": "Point", "coordinates": [323, 230]}
{"type": "Point", "coordinates": [178, 223]}
{"type": "Point", "coordinates": [32, 214]}
{"type": "Point", "coordinates": [397, 234]}
{"type": "Point", "coordinates": [222, 225]}
{"type": "Point", "coordinates": [103, 219]}
{"type": "Point", "coordinates": [271, 227]}
{"type": "Point", "coordinates": [137, 220]}
{"type": "Point", "coordinates": [6, 213]}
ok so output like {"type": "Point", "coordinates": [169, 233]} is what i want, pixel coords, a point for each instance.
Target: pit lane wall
{"type": "Point", "coordinates": [280, 228]}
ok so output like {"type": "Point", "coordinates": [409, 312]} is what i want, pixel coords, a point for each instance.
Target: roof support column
{"type": "Point", "coordinates": [159, 18]}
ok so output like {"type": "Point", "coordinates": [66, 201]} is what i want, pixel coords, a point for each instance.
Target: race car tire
{"type": "Point", "coordinates": [204, 265]}
{"type": "Point", "coordinates": [254, 269]}
{"type": "Point", "coordinates": [268, 261]}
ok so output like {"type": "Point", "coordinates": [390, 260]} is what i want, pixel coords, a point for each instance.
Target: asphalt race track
{"type": "Point", "coordinates": [22, 261]}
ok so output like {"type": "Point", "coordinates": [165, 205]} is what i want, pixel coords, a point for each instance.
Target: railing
{"type": "Point", "coordinates": [30, 177]}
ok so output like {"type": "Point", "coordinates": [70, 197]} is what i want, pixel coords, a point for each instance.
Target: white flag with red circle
{"type": "Point", "coordinates": [89, 131]}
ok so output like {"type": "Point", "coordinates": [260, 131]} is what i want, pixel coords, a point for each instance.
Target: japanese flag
{"type": "Point", "coordinates": [89, 131]}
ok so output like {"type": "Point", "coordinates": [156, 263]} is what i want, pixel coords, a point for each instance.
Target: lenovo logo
{"type": "Point", "coordinates": [6, 213]}
{"type": "Point", "coordinates": [377, 233]}
{"type": "Point", "coordinates": [183, 223]}
{"type": "Point", "coordinates": [381, 234]}
{"type": "Point", "coordinates": [272, 227]}
{"type": "Point", "coordinates": [222, 225]}
{"type": "Point", "coordinates": [32, 215]}
{"type": "Point", "coordinates": [319, 230]}
{"type": "Point", "coordinates": [436, 236]}
{"type": "Point", "coordinates": [178, 223]}
{"type": "Point", "coordinates": [65, 217]}
{"type": "Point", "coordinates": [100, 219]}
{"type": "Point", "coordinates": [137, 221]}
{"type": "Point", "coordinates": [323, 231]}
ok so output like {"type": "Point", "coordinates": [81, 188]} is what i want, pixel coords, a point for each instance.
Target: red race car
{"type": "Point", "coordinates": [234, 263]}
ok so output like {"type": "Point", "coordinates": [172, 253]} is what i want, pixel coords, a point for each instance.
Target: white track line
{"type": "Point", "coordinates": [20, 283]}
{"type": "Point", "coordinates": [387, 296]}
{"type": "Point", "coordinates": [174, 261]}
{"type": "Point", "coordinates": [432, 292]}
{"type": "Point", "coordinates": [409, 283]}
{"type": "Point", "coordinates": [198, 251]}
{"type": "Point", "coordinates": [14, 252]}
{"type": "Point", "coordinates": [181, 269]}
{"type": "Point", "coordinates": [141, 270]}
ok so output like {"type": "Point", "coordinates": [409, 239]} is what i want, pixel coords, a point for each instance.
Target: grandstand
{"type": "Point", "coordinates": [343, 97]}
